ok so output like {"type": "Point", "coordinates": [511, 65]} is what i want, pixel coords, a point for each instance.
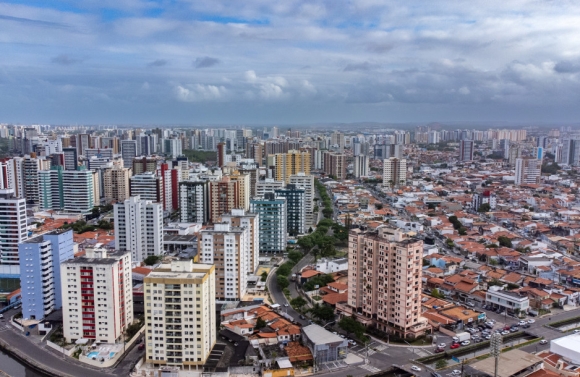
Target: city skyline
{"type": "Point", "coordinates": [156, 62]}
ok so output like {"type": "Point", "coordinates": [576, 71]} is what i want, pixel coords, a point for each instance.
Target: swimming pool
{"type": "Point", "coordinates": [94, 354]}
{"type": "Point", "coordinates": [111, 355]}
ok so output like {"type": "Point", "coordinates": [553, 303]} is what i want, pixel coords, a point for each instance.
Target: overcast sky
{"type": "Point", "coordinates": [288, 61]}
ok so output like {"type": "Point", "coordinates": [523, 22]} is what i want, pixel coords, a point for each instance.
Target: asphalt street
{"type": "Point", "coordinates": [279, 298]}
{"type": "Point", "coordinates": [39, 353]}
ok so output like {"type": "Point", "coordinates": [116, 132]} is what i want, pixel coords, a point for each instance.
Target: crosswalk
{"type": "Point", "coordinates": [370, 368]}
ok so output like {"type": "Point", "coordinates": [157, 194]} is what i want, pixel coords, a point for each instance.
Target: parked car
{"type": "Point", "coordinates": [530, 321]}
{"type": "Point", "coordinates": [439, 350]}
{"type": "Point", "coordinates": [435, 374]}
{"type": "Point", "coordinates": [576, 331]}
{"type": "Point", "coordinates": [465, 343]}
{"type": "Point", "coordinates": [487, 337]}
{"type": "Point", "coordinates": [454, 346]}
{"type": "Point", "coordinates": [514, 329]}
{"type": "Point", "coordinates": [543, 341]}
{"type": "Point", "coordinates": [522, 323]}
{"type": "Point", "coordinates": [141, 347]}
{"type": "Point", "coordinates": [416, 368]}
{"type": "Point", "coordinates": [505, 332]}
{"type": "Point", "coordinates": [471, 304]}
{"type": "Point", "coordinates": [442, 345]}
{"type": "Point", "coordinates": [456, 372]}
{"type": "Point", "coordinates": [455, 339]}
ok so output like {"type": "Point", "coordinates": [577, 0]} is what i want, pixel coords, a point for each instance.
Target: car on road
{"type": "Point", "coordinates": [141, 347]}
{"type": "Point", "coordinates": [415, 368]}
{"type": "Point", "coordinates": [543, 341]}
{"type": "Point", "coordinates": [505, 332]}
{"type": "Point", "coordinates": [522, 323]}
{"type": "Point", "coordinates": [455, 339]}
{"type": "Point", "coordinates": [515, 329]}
{"type": "Point", "coordinates": [442, 345]}
{"type": "Point", "coordinates": [465, 343]}
{"type": "Point", "coordinates": [507, 328]}
{"type": "Point", "coordinates": [435, 374]}
{"type": "Point", "coordinates": [530, 321]}
{"type": "Point", "coordinates": [454, 346]}
{"type": "Point", "coordinates": [286, 305]}
{"type": "Point", "coordinates": [576, 331]}
{"type": "Point", "coordinates": [471, 304]}
{"type": "Point", "coordinates": [439, 350]}
{"type": "Point", "coordinates": [456, 372]}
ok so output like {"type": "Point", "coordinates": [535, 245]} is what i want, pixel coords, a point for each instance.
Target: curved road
{"type": "Point", "coordinates": [279, 298]}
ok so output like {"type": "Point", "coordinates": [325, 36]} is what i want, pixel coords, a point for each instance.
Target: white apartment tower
{"type": "Point", "coordinates": [361, 166]}
{"type": "Point", "coordinates": [97, 296]}
{"type": "Point", "coordinates": [180, 318]}
{"type": "Point", "coordinates": [139, 227]}
{"type": "Point", "coordinates": [394, 172]}
{"type": "Point", "coordinates": [528, 171]}
{"type": "Point", "coordinates": [242, 218]}
{"type": "Point", "coordinates": [306, 183]}
{"type": "Point", "coordinates": [228, 248]}
{"type": "Point", "coordinates": [12, 226]}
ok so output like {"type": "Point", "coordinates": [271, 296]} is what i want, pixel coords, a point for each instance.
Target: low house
{"type": "Point", "coordinates": [324, 345]}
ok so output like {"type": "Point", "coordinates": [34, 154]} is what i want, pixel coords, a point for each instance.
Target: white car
{"type": "Point", "coordinates": [505, 332]}
{"type": "Point", "coordinates": [530, 321]}
{"type": "Point", "coordinates": [543, 341]}
{"type": "Point", "coordinates": [522, 323]}
{"type": "Point", "coordinates": [442, 345]}
{"type": "Point", "coordinates": [416, 368]}
{"type": "Point", "coordinates": [576, 331]}
{"type": "Point", "coordinates": [455, 339]}
{"type": "Point", "coordinates": [465, 343]}
{"type": "Point", "coordinates": [456, 372]}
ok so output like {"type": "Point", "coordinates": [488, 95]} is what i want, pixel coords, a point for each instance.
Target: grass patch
{"type": "Point", "coordinates": [564, 322]}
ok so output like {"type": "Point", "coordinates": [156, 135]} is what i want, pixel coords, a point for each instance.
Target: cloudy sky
{"type": "Point", "coordinates": [288, 61]}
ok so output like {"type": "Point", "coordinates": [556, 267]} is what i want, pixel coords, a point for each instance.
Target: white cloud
{"type": "Point", "coordinates": [200, 92]}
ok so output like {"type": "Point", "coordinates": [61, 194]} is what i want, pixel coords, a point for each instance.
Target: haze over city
{"type": "Point", "coordinates": [290, 62]}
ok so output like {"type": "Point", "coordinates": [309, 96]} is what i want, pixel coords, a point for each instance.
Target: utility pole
{"type": "Point", "coordinates": [495, 349]}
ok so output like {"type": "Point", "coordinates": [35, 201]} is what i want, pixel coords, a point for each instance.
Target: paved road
{"type": "Point", "coordinates": [54, 361]}
{"type": "Point", "coordinates": [279, 298]}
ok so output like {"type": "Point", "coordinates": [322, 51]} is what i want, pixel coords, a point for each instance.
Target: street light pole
{"type": "Point", "coordinates": [495, 349]}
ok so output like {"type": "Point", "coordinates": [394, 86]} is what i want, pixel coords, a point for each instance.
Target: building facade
{"type": "Point", "coordinates": [394, 172]}
{"type": "Point", "coordinates": [306, 182]}
{"type": "Point", "coordinates": [272, 217]}
{"type": "Point", "coordinates": [228, 248]}
{"type": "Point", "coordinates": [148, 186]}
{"type": "Point", "coordinates": [177, 337]}
{"type": "Point", "coordinates": [291, 163]}
{"type": "Point", "coordinates": [139, 227]}
{"type": "Point", "coordinates": [97, 296]}
{"type": "Point", "coordinates": [194, 201]}
{"type": "Point", "coordinates": [466, 149]}
{"type": "Point", "coordinates": [334, 164]}
{"type": "Point", "coordinates": [242, 219]}
{"type": "Point", "coordinates": [384, 281]}
{"type": "Point", "coordinates": [12, 226]}
{"type": "Point", "coordinates": [224, 195]}
{"type": "Point", "coordinates": [361, 166]}
{"type": "Point", "coordinates": [528, 171]}
{"type": "Point", "coordinates": [116, 184]}
{"type": "Point", "coordinates": [40, 259]}
{"type": "Point", "coordinates": [295, 209]}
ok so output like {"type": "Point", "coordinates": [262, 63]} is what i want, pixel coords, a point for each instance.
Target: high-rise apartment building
{"type": "Point", "coordinates": [67, 190]}
{"type": "Point", "coordinates": [290, 163]}
{"type": "Point", "coordinates": [97, 296]}
{"type": "Point", "coordinates": [12, 226]}
{"type": "Point", "coordinates": [466, 149]}
{"type": "Point", "coordinates": [295, 209]}
{"type": "Point", "coordinates": [71, 158]}
{"type": "Point", "coordinates": [31, 165]}
{"type": "Point", "coordinates": [139, 227]}
{"type": "Point", "coordinates": [116, 184]}
{"type": "Point", "coordinates": [242, 219]}
{"type": "Point", "coordinates": [384, 281]}
{"type": "Point", "coordinates": [228, 248]}
{"type": "Point", "coordinates": [180, 322]}
{"type": "Point", "coordinates": [334, 164]}
{"type": "Point", "coordinates": [256, 152]}
{"type": "Point", "coordinates": [128, 152]}
{"type": "Point", "coordinates": [484, 197]}
{"type": "Point", "coordinates": [528, 171]}
{"type": "Point", "coordinates": [244, 186]}
{"type": "Point", "coordinates": [224, 195]}
{"type": "Point", "coordinates": [273, 227]}
{"type": "Point", "coordinates": [394, 172]}
{"type": "Point", "coordinates": [361, 166]}
{"type": "Point", "coordinates": [221, 155]}
{"type": "Point", "coordinates": [144, 164]}
{"type": "Point", "coordinates": [40, 259]}
{"type": "Point", "coordinates": [194, 201]}
{"type": "Point", "coordinates": [148, 186]}
{"type": "Point", "coordinates": [306, 182]}
{"type": "Point", "coordinates": [571, 151]}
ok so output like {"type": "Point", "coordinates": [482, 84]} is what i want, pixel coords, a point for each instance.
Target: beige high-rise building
{"type": "Point", "coordinates": [244, 219]}
{"type": "Point", "coordinates": [335, 165]}
{"type": "Point", "coordinates": [180, 320]}
{"type": "Point", "coordinates": [224, 195]}
{"type": "Point", "coordinates": [394, 172]}
{"type": "Point", "coordinates": [306, 182]}
{"type": "Point", "coordinates": [244, 187]}
{"type": "Point", "coordinates": [228, 248]}
{"type": "Point", "coordinates": [384, 281]}
{"type": "Point", "coordinates": [116, 184]}
{"type": "Point", "coordinates": [290, 163]}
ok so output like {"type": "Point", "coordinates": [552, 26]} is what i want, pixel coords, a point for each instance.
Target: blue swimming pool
{"type": "Point", "coordinates": [94, 354]}
{"type": "Point", "coordinates": [111, 355]}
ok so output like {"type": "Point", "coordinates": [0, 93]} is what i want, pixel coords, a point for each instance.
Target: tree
{"type": "Point", "coordinates": [295, 256]}
{"type": "Point", "coordinates": [260, 323]}
{"type": "Point", "coordinates": [322, 312]}
{"type": "Point", "coordinates": [462, 231]}
{"type": "Point", "coordinates": [282, 281]}
{"type": "Point", "coordinates": [441, 363]}
{"type": "Point", "coordinates": [351, 326]}
{"type": "Point", "coordinates": [151, 260]}
{"type": "Point", "coordinates": [485, 207]}
{"type": "Point", "coordinates": [435, 293]}
{"type": "Point", "coordinates": [298, 302]}
{"type": "Point", "coordinates": [504, 241]}
{"type": "Point", "coordinates": [379, 206]}
{"type": "Point", "coordinates": [264, 276]}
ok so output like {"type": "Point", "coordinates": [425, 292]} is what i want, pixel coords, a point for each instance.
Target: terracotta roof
{"type": "Point", "coordinates": [339, 286]}
{"type": "Point", "coordinates": [310, 273]}
{"type": "Point", "coordinates": [334, 298]}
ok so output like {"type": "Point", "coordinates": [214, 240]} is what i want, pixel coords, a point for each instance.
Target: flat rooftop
{"type": "Point", "coordinates": [510, 363]}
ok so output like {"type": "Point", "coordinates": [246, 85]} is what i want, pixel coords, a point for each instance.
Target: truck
{"type": "Point", "coordinates": [461, 336]}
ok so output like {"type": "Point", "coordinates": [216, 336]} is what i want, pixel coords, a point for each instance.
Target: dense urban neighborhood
{"type": "Point", "coordinates": [271, 251]}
